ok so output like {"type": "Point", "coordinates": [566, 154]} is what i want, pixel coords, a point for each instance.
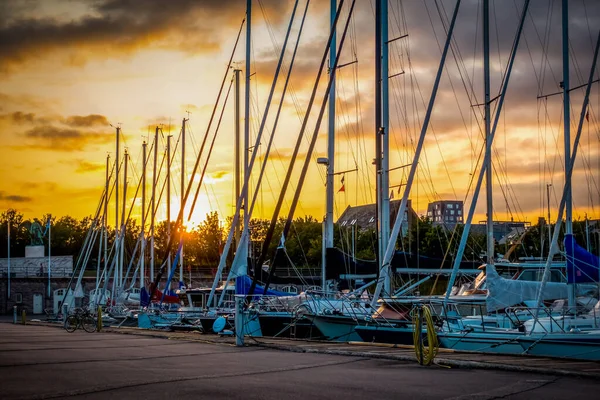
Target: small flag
{"type": "Point", "coordinates": [587, 116]}
{"type": "Point", "coordinates": [343, 188]}
{"type": "Point", "coordinates": [392, 194]}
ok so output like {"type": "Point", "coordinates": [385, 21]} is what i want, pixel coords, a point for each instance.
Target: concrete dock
{"type": "Point", "coordinates": [44, 362]}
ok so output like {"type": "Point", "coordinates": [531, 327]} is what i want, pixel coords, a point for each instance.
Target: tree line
{"type": "Point", "coordinates": [204, 243]}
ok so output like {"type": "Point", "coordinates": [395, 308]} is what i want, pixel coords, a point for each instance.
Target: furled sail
{"type": "Point", "coordinates": [503, 293]}
{"type": "Point", "coordinates": [582, 266]}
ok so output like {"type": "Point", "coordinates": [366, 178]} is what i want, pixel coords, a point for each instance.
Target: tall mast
{"type": "Point", "coordinates": [488, 173]}
{"type": "Point", "coordinates": [169, 199]}
{"type": "Point", "coordinates": [328, 232]}
{"type": "Point", "coordinates": [182, 193]}
{"type": "Point", "coordinates": [49, 252]}
{"type": "Point", "coordinates": [153, 203]}
{"type": "Point", "coordinates": [117, 229]}
{"type": "Point", "coordinates": [247, 108]}
{"type": "Point", "coordinates": [567, 136]}
{"type": "Point", "coordinates": [236, 149]}
{"type": "Point", "coordinates": [143, 233]}
{"type": "Point", "coordinates": [385, 159]}
{"type": "Point", "coordinates": [123, 222]}
{"type": "Point", "coordinates": [389, 251]}
{"type": "Point", "coordinates": [378, 197]}
{"type": "Point", "coordinates": [105, 219]}
{"type": "Point", "coordinates": [487, 156]}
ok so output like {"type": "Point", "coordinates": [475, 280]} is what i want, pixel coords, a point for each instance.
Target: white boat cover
{"type": "Point", "coordinates": [504, 292]}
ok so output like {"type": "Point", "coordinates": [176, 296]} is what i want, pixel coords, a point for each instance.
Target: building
{"type": "Point", "coordinates": [363, 217]}
{"type": "Point", "coordinates": [29, 283]}
{"type": "Point", "coordinates": [445, 212]}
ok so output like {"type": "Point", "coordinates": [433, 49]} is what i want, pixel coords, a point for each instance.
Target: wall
{"type": "Point", "coordinates": [29, 286]}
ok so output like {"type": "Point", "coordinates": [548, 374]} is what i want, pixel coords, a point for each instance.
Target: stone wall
{"type": "Point", "coordinates": [27, 287]}
{"type": "Point", "coordinates": [60, 267]}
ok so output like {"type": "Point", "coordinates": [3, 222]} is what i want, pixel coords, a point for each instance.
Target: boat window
{"type": "Point", "coordinates": [537, 275]}
{"type": "Point", "coordinates": [290, 289]}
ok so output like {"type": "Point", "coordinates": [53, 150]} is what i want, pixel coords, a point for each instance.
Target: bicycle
{"type": "Point", "coordinates": [80, 318]}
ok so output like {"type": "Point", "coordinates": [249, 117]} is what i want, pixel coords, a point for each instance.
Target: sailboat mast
{"type": "Point", "coordinates": [169, 198]}
{"type": "Point", "coordinates": [105, 218]}
{"type": "Point", "coordinates": [182, 193]}
{"type": "Point", "coordinates": [247, 109]}
{"type": "Point", "coordinates": [378, 197]}
{"type": "Point", "coordinates": [567, 138]}
{"type": "Point", "coordinates": [123, 222]}
{"type": "Point", "coordinates": [143, 232]}
{"type": "Point", "coordinates": [385, 130]}
{"type": "Point", "coordinates": [236, 149]}
{"type": "Point", "coordinates": [487, 121]}
{"type": "Point", "coordinates": [153, 203]}
{"type": "Point", "coordinates": [389, 251]}
{"type": "Point", "coordinates": [328, 231]}
{"type": "Point", "coordinates": [567, 111]}
{"type": "Point", "coordinates": [487, 156]}
{"type": "Point", "coordinates": [117, 230]}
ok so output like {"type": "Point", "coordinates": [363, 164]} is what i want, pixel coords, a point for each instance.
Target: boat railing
{"type": "Point", "coordinates": [322, 303]}
{"type": "Point", "coordinates": [270, 303]}
{"type": "Point", "coordinates": [560, 318]}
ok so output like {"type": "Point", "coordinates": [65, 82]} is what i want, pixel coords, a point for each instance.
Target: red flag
{"type": "Point", "coordinates": [343, 188]}
{"type": "Point", "coordinates": [587, 116]}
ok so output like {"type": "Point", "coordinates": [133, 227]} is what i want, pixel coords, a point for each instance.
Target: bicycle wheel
{"type": "Point", "coordinates": [71, 323]}
{"type": "Point", "coordinates": [89, 324]}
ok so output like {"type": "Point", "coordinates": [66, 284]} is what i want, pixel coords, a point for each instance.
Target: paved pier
{"type": "Point", "coordinates": [42, 362]}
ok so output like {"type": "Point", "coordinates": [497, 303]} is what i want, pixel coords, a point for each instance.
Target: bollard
{"type": "Point", "coordinates": [23, 319]}
{"type": "Point", "coordinates": [99, 327]}
{"type": "Point", "coordinates": [65, 312]}
{"type": "Point", "coordinates": [239, 320]}
{"type": "Point", "coordinates": [14, 314]}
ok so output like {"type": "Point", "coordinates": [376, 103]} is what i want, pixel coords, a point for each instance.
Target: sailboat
{"type": "Point", "coordinates": [569, 334]}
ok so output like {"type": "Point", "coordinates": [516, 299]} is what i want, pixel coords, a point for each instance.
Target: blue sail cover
{"type": "Point", "coordinates": [582, 266]}
{"type": "Point", "coordinates": [242, 286]}
{"type": "Point", "coordinates": [144, 298]}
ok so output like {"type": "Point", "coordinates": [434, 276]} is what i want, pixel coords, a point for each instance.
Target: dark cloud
{"type": "Point", "coordinates": [87, 121]}
{"type": "Point", "coordinates": [55, 138]}
{"type": "Point", "coordinates": [122, 26]}
{"type": "Point", "coordinates": [14, 198]}
{"type": "Point", "coordinates": [23, 118]}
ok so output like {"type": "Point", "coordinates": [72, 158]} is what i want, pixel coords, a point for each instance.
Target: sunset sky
{"type": "Point", "coordinates": [69, 69]}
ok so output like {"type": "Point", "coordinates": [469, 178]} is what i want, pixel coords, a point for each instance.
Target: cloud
{"type": "Point", "coordinates": [85, 166]}
{"type": "Point", "coordinates": [116, 27]}
{"type": "Point", "coordinates": [14, 198]}
{"type": "Point", "coordinates": [55, 138]}
{"type": "Point", "coordinates": [87, 121]}
{"type": "Point", "coordinates": [23, 118]}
